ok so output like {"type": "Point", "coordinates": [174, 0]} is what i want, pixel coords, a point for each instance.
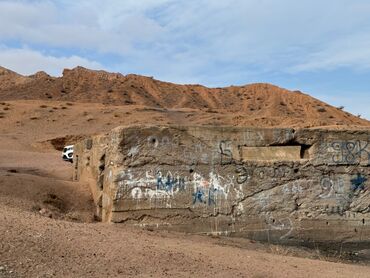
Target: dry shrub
{"type": "Point", "coordinates": [321, 109]}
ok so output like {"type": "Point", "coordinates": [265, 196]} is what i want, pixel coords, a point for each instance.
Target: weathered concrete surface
{"type": "Point", "coordinates": [271, 153]}
{"type": "Point", "coordinates": [202, 180]}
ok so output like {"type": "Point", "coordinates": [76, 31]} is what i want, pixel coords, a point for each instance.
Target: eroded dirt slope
{"type": "Point", "coordinates": [255, 104]}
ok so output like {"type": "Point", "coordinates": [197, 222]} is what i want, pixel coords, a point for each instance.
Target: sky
{"type": "Point", "coordinates": [318, 47]}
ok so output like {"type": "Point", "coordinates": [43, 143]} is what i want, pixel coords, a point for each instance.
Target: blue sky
{"type": "Point", "coordinates": [319, 47]}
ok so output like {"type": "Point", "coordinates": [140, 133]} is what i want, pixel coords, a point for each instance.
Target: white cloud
{"type": "Point", "coordinates": [194, 41]}
{"type": "Point", "coordinates": [352, 51]}
{"type": "Point", "coordinates": [285, 35]}
{"type": "Point", "coordinates": [27, 61]}
{"type": "Point", "coordinates": [83, 25]}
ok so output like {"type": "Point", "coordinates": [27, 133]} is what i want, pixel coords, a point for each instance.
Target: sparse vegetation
{"type": "Point", "coordinates": [43, 106]}
{"type": "Point", "coordinates": [321, 109]}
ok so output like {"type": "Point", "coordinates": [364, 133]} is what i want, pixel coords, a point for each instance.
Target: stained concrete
{"type": "Point", "coordinates": [307, 185]}
{"type": "Point", "coordinates": [272, 153]}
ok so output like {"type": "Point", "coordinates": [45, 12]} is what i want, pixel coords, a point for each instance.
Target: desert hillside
{"type": "Point", "coordinates": [47, 221]}
{"type": "Point", "coordinates": [250, 105]}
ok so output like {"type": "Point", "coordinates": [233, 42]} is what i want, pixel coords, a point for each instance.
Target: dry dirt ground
{"type": "Point", "coordinates": [46, 222]}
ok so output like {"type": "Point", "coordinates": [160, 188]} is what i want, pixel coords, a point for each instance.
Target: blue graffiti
{"type": "Point", "coordinates": [358, 182]}
{"type": "Point", "coordinates": [198, 196]}
{"type": "Point", "coordinates": [169, 183]}
{"type": "Point", "coordinates": [160, 184]}
{"type": "Point", "coordinates": [350, 152]}
{"type": "Point", "coordinates": [211, 196]}
{"type": "Point", "coordinates": [201, 197]}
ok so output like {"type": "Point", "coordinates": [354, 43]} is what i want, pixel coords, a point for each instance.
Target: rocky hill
{"type": "Point", "coordinates": [267, 104]}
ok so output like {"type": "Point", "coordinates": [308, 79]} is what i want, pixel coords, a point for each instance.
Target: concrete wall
{"type": "Point", "coordinates": [306, 185]}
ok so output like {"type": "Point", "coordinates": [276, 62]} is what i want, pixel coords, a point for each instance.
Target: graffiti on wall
{"type": "Point", "coordinates": [338, 188]}
{"type": "Point", "coordinates": [149, 185]}
{"type": "Point", "coordinates": [246, 173]}
{"type": "Point", "coordinates": [350, 152]}
{"type": "Point", "coordinates": [210, 190]}
{"type": "Point", "coordinates": [226, 152]}
{"type": "Point", "coordinates": [332, 187]}
{"type": "Point", "coordinates": [358, 183]}
{"type": "Point", "coordinates": [169, 182]}
{"type": "Point", "coordinates": [292, 188]}
{"type": "Point", "coordinates": [205, 196]}
{"type": "Point", "coordinates": [284, 225]}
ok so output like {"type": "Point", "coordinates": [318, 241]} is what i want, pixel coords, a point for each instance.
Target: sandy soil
{"type": "Point", "coordinates": [47, 225]}
{"type": "Point", "coordinates": [250, 105]}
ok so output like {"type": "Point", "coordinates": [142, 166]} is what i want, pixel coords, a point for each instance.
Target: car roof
{"type": "Point", "coordinates": [69, 146]}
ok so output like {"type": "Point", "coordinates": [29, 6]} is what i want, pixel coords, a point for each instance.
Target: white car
{"type": "Point", "coordinates": [67, 153]}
